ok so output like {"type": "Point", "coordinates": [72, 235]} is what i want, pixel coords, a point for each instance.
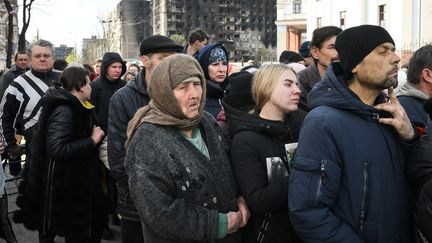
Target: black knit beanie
{"type": "Point", "coordinates": [289, 57]}
{"type": "Point", "coordinates": [158, 43]}
{"type": "Point", "coordinates": [304, 50]}
{"type": "Point", "coordinates": [355, 43]}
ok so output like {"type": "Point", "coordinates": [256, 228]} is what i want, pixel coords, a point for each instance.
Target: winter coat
{"type": "Point", "coordinates": [412, 101]}
{"type": "Point", "coordinates": [103, 89]}
{"type": "Point", "coordinates": [123, 105]}
{"type": "Point", "coordinates": [307, 80]}
{"type": "Point", "coordinates": [63, 192]}
{"type": "Point", "coordinates": [256, 143]}
{"type": "Point", "coordinates": [215, 91]}
{"type": "Point", "coordinates": [177, 191]}
{"type": "Point", "coordinates": [420, 172]}
{"type": "Point", "coordinates": [348, 175]}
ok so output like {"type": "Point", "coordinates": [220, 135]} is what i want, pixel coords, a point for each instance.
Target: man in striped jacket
{"type": "Point", "coordinates": [20, 103]}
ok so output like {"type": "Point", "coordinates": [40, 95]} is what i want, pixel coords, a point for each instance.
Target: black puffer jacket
{"type": "Point", "coordinates": [63, 192]}
{"type": "Point", "coordinates": [103, 88]}
{"type": "Point", "coordinates": [256, 144]}
{"type": "Point", "coordinates": [420, 172]}
{"type": "Point", "coordinates": [123, 105]}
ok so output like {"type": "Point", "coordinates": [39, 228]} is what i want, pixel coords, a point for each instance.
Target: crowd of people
{"type": "Point", "coordinates": [320, 147]}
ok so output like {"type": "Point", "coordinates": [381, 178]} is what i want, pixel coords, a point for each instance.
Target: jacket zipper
{"type": "Point", "coordinates": [48, 196]}
{"type": "Point", "coordinates": [264, 225]}
{"type": "Point", "coordinates": [365, 189]}
{"type": "Point", "coordinates": [322, 179]}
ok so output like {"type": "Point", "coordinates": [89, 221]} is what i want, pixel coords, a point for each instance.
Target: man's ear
{"type": "Point", "coordinates": [145, 61]}
{"type": "Point", "coordinates": [314, 52]}
{"type": "Point", "coordinates": [426, 74]}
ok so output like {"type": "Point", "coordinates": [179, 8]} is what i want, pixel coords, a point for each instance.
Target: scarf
{"type": "Point", "coordinates": [163, 108]}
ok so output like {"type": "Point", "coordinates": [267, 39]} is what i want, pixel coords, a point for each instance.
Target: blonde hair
{"type": "Point", "coordinates": [265, 81]}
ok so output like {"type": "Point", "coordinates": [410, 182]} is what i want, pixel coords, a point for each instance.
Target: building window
{"type": "Point", "coordinates": [318, 23]}
{"type": "Point", "coordinates": [342, 19]}
{"type": "Point", "coordinates": [381, 15]}
{"type": "Point", "coordinates": [297, 7]}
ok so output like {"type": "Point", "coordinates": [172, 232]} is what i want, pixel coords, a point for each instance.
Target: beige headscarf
{"type": "Point", "coordinates": [163, 108]}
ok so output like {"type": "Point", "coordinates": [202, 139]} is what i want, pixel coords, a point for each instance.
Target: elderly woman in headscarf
{"type": "Point", "coordinates": [177, 160]}
{"type": "Point", "coordinates": [213, 59]}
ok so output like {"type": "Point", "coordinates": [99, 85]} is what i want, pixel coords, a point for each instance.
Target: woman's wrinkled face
{"type": "Point", "coordinates": [189, 95]}
{"type": "Point", "coordinates": [218, 71]}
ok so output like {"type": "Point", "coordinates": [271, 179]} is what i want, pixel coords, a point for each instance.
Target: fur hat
{"type": "Point", "coordinates": [355, 43]}
{"type": "Point", "coordinates": [158, 43]}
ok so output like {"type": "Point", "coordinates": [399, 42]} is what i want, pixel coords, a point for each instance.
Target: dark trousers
{"type": "Point", "coordinates": [91, 239]}
{"type": "Point", "coordinates": [46, 238]}
{"type": "Point", "coordinates": [6, 231]}
{"type": "Point", "coordinates": [131, 231]}
{"type": "Point", "coordinates": [15, 166]}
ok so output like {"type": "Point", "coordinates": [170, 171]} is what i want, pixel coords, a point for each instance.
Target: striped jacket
{"type": "Point", "coordinates": [20, 104]}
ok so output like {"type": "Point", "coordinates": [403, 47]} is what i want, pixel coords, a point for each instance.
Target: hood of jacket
{"type": "Point", "coordinates": [237, 111]}
{"type": "Point", "coordinates": [139, 83]}
{"type": "Point", "coordinates": [332, 91]}
{"type": "Point", "coordinates": [108, 59]}
{"type": "Point", "coordinates": [409, 89]}
{"type": "Point", "coordinates": [215, 90]}
{"type": "Point", "coordinates": [56, 96]}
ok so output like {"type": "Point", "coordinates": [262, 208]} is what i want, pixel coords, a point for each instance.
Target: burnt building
{"type": "Point", "coordinates": [246, 27]}
{"type": "Point", "coordinates": [135, 20]}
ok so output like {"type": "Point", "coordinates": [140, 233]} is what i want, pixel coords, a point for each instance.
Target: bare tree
{"type": "Point", "coordinates": [10, 33]}
{"type": "Point", "coordinates": [26, 14]}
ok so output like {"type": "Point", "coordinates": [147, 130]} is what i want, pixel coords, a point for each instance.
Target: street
{"type": "Point", "coordinates": [24, 235]}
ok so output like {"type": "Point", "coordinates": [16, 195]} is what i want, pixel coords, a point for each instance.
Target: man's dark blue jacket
{"type": "Point", "coordinates": [348, 182]}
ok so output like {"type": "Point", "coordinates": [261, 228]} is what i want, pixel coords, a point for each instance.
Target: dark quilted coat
{"type": "Point", "coordinates": [62, 192]}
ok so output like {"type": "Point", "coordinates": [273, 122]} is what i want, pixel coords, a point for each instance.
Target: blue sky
{"type": "Point", "coordinates": [67, 21]}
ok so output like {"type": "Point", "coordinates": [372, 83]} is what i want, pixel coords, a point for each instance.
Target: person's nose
{"type": "Point", "coordinates": [396, 59]}
{"type": "Point", "coordinates": [297, 90]}
{"type": "Point", "coordinates": [194, 92]}
{"type": "Point", "coordinates": [335, 55]}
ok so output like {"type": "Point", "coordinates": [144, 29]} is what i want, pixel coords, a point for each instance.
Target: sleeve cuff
{"type": "Point", "coordinates": [222, 226]}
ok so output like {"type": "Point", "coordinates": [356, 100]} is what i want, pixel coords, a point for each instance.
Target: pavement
{"type": "Point", "coordinates": [24, 235]}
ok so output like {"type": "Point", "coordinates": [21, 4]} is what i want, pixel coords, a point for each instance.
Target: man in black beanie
{"type": "Point", "coordinates": [123, 105]}
{"type": "Point", "coordinates": [349, 172]}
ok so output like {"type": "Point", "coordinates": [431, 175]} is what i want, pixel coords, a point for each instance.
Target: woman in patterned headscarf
{"type": "Point", "coordinates": [213, 59]}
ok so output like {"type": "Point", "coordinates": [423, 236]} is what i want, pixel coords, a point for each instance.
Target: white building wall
{"type": "Point", "coordinates": [287, 18]}
{"type": "Point", "coordinates": [426, 21]}
{"type": "Point", "coordinates": [406, 20]}
{"type": "Point", "coordinates": [282, 13]}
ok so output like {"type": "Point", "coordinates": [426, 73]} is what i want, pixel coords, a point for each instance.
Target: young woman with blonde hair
{"type": "Point", "coordinates": [258, 154]}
